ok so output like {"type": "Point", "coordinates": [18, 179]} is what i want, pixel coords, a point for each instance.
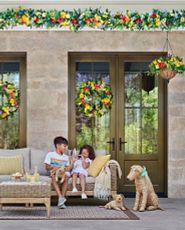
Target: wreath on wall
{"type": "Point", "coordinates": [9, 96]}
{"type": "Point", "coordinates": [94, 98]}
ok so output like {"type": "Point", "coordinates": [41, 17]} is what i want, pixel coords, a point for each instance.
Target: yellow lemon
{"type": "Point", "coordinates": [97, 24]}
{"type": "Point", "coordinates": [81, 95]}
{"type": "Point", "coordinates": [97, 18]}
{"type": "Point", "coordinates": [10, 91]}
{"type": "Point", "coordinates": [4, 115]}
{"type": "Point", "coordinates": [158, 22]}
{"type": "Point", "coordinates": [63, 14]}
{"type": "Point", "coordinates": [12, 101]}
{"type": "Point", "coordinates": [25, 20]}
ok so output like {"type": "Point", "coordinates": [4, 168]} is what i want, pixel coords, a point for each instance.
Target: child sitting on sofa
{"type": "Point", "coordinates": [53, 161]}
{"type": "Point", "coordinates": [80, 166]}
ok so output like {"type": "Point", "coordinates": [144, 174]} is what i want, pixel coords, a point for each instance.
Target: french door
{"type": "Point", "coordinates": [134, 131]}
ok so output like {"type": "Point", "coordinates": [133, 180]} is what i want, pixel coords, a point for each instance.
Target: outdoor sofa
{"type": "Point", "coordinates": [35, 158]}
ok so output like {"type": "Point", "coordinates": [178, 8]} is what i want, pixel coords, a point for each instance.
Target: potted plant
{"type": "Point", "coordinates": [167, 67]}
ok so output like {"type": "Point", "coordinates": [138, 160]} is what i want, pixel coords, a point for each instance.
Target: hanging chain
{"type": "Point", "coordinates": [167, 46]}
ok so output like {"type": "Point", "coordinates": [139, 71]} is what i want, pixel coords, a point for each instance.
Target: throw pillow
{"type": "Point", "coordinates": [98, 163]}
{"type": "Point", "coordinates": [11, 164]}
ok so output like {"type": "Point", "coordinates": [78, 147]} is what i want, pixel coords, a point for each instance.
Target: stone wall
{"type": "Point", "coordinates": [47, 84]}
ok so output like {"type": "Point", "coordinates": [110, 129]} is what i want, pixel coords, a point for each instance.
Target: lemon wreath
{"type": "Point", "coordinates": [9, 96]}
{"type": "Point", "coordinates": [94, 98]}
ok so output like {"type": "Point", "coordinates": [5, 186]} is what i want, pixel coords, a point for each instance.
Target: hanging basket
{"type": "Point", "coordinates": [167, 74]}
{"type": "Point", "coordinates": [147, 81]}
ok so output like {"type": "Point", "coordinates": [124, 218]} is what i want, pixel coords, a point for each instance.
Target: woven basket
{"type": "Point", "coordinates": [167, 74]}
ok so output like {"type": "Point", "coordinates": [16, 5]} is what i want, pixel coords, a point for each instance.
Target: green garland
{"type": "Point", "coordinates": [11, 103]}
{"type": "Point", "coordinates": [93, 18]}
{"type": "Point", "coordinates": [94, 98]}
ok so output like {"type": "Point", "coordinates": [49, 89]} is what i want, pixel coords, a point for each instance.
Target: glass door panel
{"type": "Point", "coordinates": [9, 129]}
{"type": "Point", "coordinates": [92, 131]}
{"type": "Point", "coordinates": [140, 111]}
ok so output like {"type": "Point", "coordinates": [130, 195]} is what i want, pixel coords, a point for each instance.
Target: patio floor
{"type": "Point", "coordinates": [172, 218]}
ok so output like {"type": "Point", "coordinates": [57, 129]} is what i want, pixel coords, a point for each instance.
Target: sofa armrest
{"type": "Point", "coordinates": [113, 169]}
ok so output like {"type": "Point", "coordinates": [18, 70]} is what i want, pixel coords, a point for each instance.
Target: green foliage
{"type": "Point", "coordinates": [9, 132]}
{"type": "Point", "coordinates": [141, 127]}
{"type": "Point", "coordinates": [77, 19]}
{"type": "Point", "coordinates": [96, 136]}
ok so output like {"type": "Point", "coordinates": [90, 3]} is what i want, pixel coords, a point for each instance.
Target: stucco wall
{"type": "Point", "coordinates": [47, 84]}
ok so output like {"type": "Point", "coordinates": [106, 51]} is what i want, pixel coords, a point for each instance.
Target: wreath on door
{"type": "Point", "coordinates": [9, 96]}
{"type": "Point", "coordinates": [94, 98]}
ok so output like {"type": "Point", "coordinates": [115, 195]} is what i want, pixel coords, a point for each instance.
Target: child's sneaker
{"type": "Point", "coordinates": [84, 196]}
{"type": "Point", "coordinates": [62, 206]}
{"type": "Point", "coordinates": [75, 190]}
{"type": "Point", "coordinates": [61, 201]}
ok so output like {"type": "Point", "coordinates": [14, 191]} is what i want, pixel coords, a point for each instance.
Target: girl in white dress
{"type": "Point", "coordinates": [80, 166]}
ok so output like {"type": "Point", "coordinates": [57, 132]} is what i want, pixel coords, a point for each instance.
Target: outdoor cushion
{"type": "Point", "coordinates": [5, 178]}
{"type": "Point", "coordinates": [11, 164]}
{"type": "Point", "coordinates": [89, 180]}
{"type": "Point", "coordinates": [37, 160]}
{"type": "Point", "coordinates": [97, 165]}
{"type": "Point", "coordinates": [45, 179]}
{"type": "Point", "coordinates": [25, 152]}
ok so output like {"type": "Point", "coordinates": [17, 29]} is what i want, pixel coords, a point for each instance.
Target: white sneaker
{"type": "Point", "coordinates": [83, 196]}
{"type": "Point", "coordinates": [75, 190]}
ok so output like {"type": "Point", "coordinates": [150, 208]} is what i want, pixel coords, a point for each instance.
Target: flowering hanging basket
{"type": "Point", "coordinates": [167, 67]}
{"type": "Point", "coordinates": [10, 99]}
{"type": "Point", "coordinates": [94, 98]}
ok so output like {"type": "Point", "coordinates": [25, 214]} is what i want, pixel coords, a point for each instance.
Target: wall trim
{"type": "Point", "coordinates": [92, 2]}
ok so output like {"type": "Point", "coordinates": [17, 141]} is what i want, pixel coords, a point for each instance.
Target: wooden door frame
{"type": "Point", "coordinates": [96, 56]}
{"type": "Point", "coordinates": [19, 57]}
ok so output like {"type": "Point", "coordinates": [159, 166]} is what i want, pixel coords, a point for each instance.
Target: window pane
{"type": "Point", "coordinates": [141, 110]}
{"type": "Point", "coordinates": [133, 131]}
{"type": "Point", "coordinates": [9, 129]}
{"type": "Point", "coordinates": [132, 90]}
{"type": "Point", "coordinates": [149, 131]}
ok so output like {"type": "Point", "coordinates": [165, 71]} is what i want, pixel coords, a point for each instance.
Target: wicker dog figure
{"type": "Point", "coordinates": [146, 197]}
{"type": "Point", "coordinates": [116, 204]}
{"type": "Point", "coordinates": [60, 175]}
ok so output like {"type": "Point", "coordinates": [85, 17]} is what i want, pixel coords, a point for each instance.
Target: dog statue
{"type": "Point", "coordinates": [60, 175]}
{"type": "Point", "coordinates": [146, 197]}
{"type": "Point", "coordinates": [116, 204]}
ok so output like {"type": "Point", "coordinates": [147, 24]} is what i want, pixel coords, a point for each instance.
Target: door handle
{"type": "Point", "coordinates": [120, 143]}
{"type": "Point", "coordinates": [112, 143]}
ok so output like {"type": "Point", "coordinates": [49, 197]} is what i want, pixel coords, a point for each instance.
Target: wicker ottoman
{"type": "Point", "coordinates": [25, 192]}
